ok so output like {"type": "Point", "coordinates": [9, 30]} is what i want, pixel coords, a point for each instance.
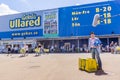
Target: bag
{"type": "Point", "coordinates": [117, 48]}
{"type": "Point", "coordinates": [37, 50]}
{"type": "Point", "coordinates": [46, 50]}
{"type": "Point", "coordinates": [22, 51]}
{"type": "Point", "coordinates": [81, 63]}
{"type": "Point", "coordinates": [91, 65]}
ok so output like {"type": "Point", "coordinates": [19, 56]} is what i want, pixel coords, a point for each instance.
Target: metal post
{"type": "Point", "coordinates": [108, 41]}
{"type": "Point", "coordinates": [53, 42]}
{"type": "Point", "coordinates": [78, 45]}
{"type": "Point", "coordinates": [119, 41]}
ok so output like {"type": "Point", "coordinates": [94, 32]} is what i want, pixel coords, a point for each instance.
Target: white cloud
{"type": "Point", "coordinates": [5, 10]}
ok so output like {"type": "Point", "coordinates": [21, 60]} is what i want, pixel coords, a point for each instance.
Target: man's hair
{"type": "Point", "coordinates": [91, 33]}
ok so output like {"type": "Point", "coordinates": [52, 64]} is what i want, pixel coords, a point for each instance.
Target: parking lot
{"type": "Point", "coordinates": [55, 67]}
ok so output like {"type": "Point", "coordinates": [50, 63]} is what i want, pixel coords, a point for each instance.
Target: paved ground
{"type": "Point", "coordinates": [55, 67]}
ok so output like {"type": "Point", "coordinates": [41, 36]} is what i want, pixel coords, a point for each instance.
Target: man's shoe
{"type": "Point", "coordinates": [100, 72]}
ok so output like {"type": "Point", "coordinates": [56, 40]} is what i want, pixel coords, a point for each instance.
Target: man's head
{"type": "Point", "coordinates": [92, 35]}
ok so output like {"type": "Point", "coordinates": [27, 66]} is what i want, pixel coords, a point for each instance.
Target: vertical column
{"type": "Point", "coordinates": [78, 44]}
{"type": "Point", "coordinates": [119, 41]}
{"type": "Point", "coordinates": [108, 41]}
{"type": "Point", "coordinates": [53, 42]}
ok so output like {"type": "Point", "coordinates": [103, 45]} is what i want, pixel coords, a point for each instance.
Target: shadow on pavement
{"type": "Point", "coordinates": [100, 72]}
{"type": "Point", "coordinates": [36, 55]}
{"type": "Point", "coordinates": [21, 56]}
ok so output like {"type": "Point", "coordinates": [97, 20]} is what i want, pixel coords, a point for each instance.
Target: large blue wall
{"type": "Point", "coordinates": [85, 20]}
{"type": "Point", "coordinates": [84, 14]}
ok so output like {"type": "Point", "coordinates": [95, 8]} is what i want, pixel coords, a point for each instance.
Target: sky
{"type": "Point", "coordinates": [18, 6]}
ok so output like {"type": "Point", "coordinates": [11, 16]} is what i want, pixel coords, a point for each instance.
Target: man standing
{"type": "Point", "coordinates": [94, 44]}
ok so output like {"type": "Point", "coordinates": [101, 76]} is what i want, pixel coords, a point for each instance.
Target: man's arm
{"type": "Point", "coordinates": [99, 41]}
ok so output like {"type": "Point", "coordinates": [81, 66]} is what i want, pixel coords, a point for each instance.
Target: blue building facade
{"type": "Point", "coordinates": [64, 25]}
